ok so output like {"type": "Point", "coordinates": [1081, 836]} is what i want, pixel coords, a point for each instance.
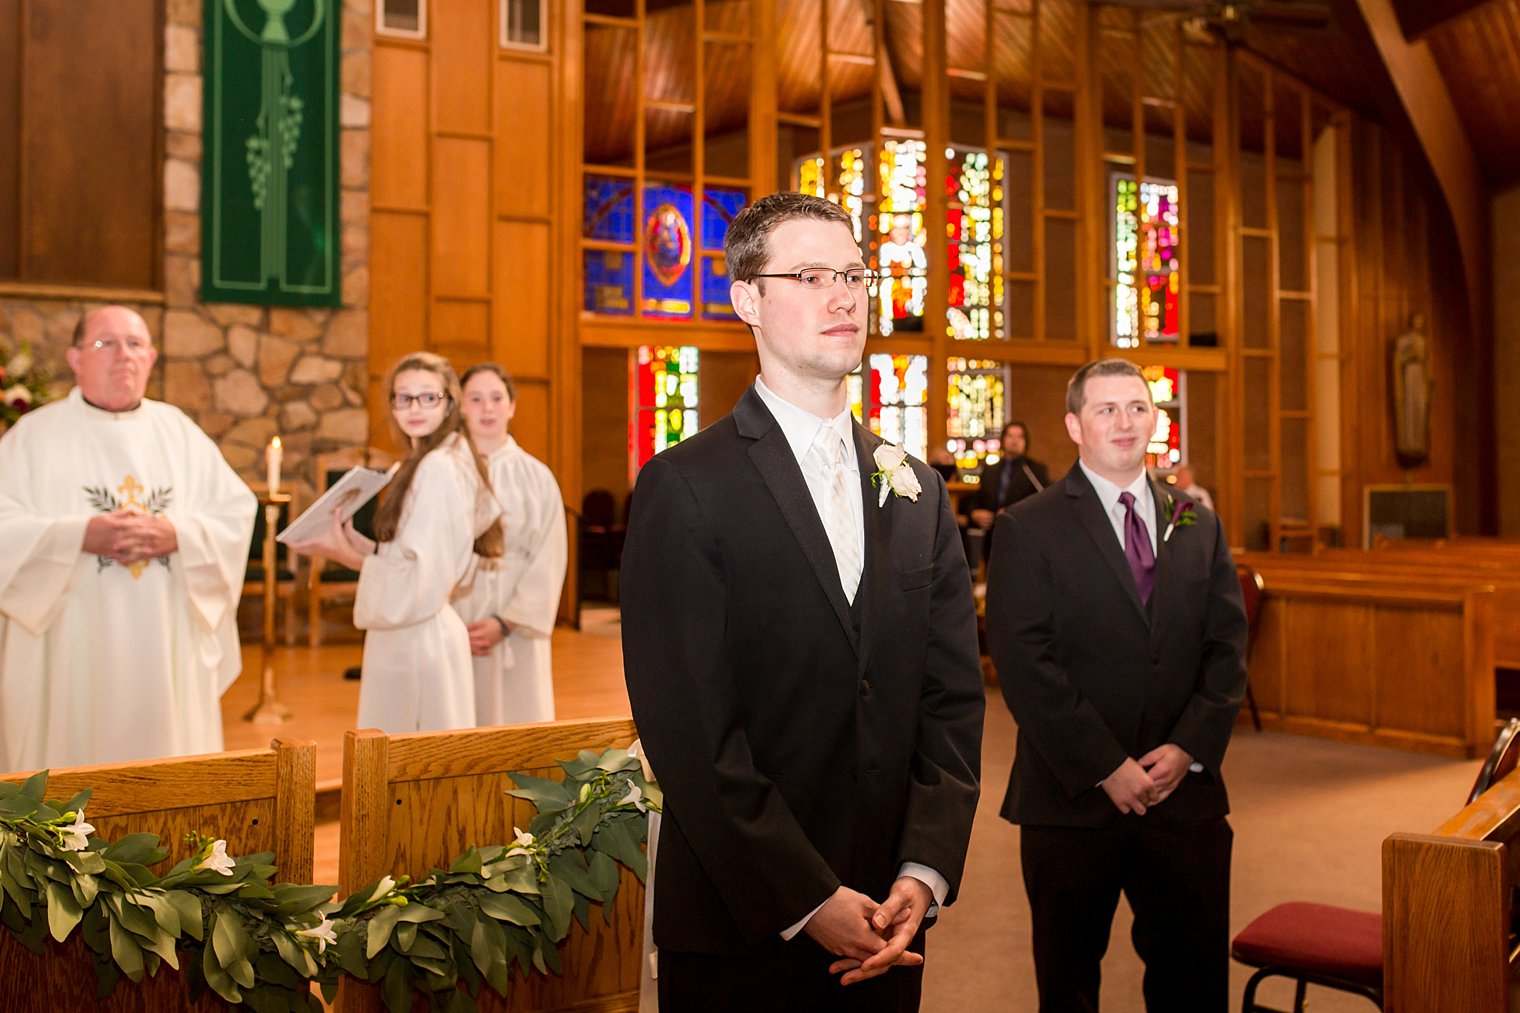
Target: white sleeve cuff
{"type": "Point", "coordinates": [933, 880]}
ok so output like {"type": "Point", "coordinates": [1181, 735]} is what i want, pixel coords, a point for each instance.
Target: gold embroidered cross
{"type": "Point", "coordinates": [129, 488]}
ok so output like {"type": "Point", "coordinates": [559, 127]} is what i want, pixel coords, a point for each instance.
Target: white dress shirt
{"type": "Point", "coordinates": [800, 428]}
{"type": "Point", "coordinates": [1108, 495]}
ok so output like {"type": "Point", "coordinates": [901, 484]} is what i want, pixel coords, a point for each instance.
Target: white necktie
{"type": "Point", "coordinates": [838, 519]}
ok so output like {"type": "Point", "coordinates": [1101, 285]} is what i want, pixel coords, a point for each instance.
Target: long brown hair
{"type": "Point", "coordinates": [388, 516]}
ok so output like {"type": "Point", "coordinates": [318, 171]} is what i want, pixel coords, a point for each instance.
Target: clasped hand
{"type": "Point", "coordinates": [130, 536]}
{"type": "Point", "coordinates": [1148, 781]}
{"type": "Point", "coordinates": [871, 938]}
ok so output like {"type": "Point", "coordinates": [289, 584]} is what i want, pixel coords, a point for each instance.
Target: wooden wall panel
{"type": "Point", "coordinates": [460, 330]}
{"type": "Point", "coordinates": [522, 294]}
{"type": "Point", "coordinates": [1420, 655]}
{"type": "Point", "coordinates": [523, 92]}
{"type": "Point", "coordinates": [463, 41]}
{"type": "Point", "coordinates": [10, 136]}
{"type": "Point", "coordinates": [1338, 637]}
{"type": "Point", "coordinates": [399, 130]}
{"type": "Point", "coordinates": [461, 232]}
{"type": "Point", "coordinates": [398, 290]}
{"type": "Point", "coordinates": [530, 425]}
{"type": "Point", "coordinates": [91, 154]}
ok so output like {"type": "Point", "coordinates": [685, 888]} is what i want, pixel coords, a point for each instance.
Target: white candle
{"type": "Point", "coordinates": [272, 457]}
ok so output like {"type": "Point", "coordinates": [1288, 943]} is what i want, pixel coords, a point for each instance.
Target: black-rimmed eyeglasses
{"type": "Point", "coordinates": [427, 399]}
{"type": "Point", "coordinates": [818, 279]}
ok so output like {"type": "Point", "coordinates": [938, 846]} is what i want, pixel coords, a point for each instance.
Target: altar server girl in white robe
{"type": "Point", "coordinates": [437, 514]}
{"type": "Point", "coordinates": [512, 601]}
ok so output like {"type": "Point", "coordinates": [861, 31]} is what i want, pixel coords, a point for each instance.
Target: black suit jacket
{"type": "Point", "coordinates": [985, 495]}
{"type": "Point", "coordinates": [1093, 675]}
{"type": "Point", "coordinates": [795, 752]}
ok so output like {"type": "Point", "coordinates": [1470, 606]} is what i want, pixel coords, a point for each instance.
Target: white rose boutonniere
{"type": "Point", "coordinates": [894, 473]}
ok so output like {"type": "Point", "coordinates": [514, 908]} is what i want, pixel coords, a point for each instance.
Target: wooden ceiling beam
{"type": "Point", "coordinates": [1417, 17]}
{"type": "Point", "coordinates": [1433, 115]}
{"type": "Point", "coordinates": [891, 91]}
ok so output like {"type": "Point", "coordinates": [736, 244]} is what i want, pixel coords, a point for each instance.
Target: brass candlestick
{"type": "Point", "coordinates": [269, 710]}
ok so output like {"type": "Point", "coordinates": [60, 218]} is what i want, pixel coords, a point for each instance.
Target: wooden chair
{"type": "Point", "coordinates": [414, 802]}
{"type": "Point", "coordinates": [258, 800]}
{"type": "Point", "coordinates": [1337, 947]}
{"type": "Point", "coordinates": [325, 580]}
{"type": "Point", "coordinates": [599, 540]}
{"type": "Point", "coordinates": [1251, 590]}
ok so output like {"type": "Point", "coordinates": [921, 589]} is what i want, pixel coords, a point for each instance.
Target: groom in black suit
{"type": "Point", "coordinates": [800, 651]}
{"type": "Point", "coordinates": [1114, 618]}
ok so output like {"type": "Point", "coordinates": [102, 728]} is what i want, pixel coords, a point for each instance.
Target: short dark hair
{"type": "Point", "coordinates": [746, 247]}
{"type": "Point", "coordinates": [1076, 387]}
{"type": "Point", "coordinates": [1003, 433]}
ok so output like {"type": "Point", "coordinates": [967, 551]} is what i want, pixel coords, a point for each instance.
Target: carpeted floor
{"type": "Point", "coordinates": [1309, 816]}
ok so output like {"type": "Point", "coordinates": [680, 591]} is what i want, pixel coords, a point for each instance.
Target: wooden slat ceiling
{"type": "Point", "coordinates": [1477, 49]}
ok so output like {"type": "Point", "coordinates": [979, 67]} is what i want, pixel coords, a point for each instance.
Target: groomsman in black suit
{"type": "Point", "coordinates": [1014, 477]}
{"type": "Point", "coordinates": [1114, 618]}
{"type": "Point", "coordinates": [800, 651]}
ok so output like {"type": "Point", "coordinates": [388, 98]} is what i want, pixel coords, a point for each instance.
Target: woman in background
{"type": "Point", "coordinates": [437, 516]}
{"type": "Point", "coordinates": [511, 605]}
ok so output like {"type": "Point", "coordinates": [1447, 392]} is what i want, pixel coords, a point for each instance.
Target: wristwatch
{"type": "Point", "coordinates": [506, 631]}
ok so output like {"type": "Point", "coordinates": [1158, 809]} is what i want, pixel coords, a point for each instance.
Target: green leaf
{"type": "Point", "coordinates": [570, 868]}
{"type": "Point", "coordinates": [618, 840]}
{"type": "Point", "coordinates": [397, 990]}
{"type": "Point", "coordinates": [294, 954]}
{"type": "Point", "coordinates": [380, 927]}
{"type": "Point", "coordinates": [292, 899]}
{"type": "Point", "coordinates": [85, 887]}
{"type": "Point", "coordinates": [406, 935]}
{"type": "Point", "coordinates": [506, 908]}
{"type": "Point", "coordinates": [558, 902]}
{"type": "Point", "coordinates": [220, 981]}
{"type": "Point", "coordinates": [62, 910]}
{"type": "Point", "coordinates": [603, 873]}
{"type": "Point", "coordinates": [419, 912]}
{"type": "Point", "coordinates": [480, 947]}
{"type": "Point", "coordinates": [126, 952]}
{"type": "Point", "coordinates": [585, 823]}
{"type": "Point", "coordinates": [546, 795]}
{"type": "Point", "coordinates": [135, 849]}
{"type": "Point", "coordinates": [188, 907]}
{"type": "Point", "coordinates": [35, 787]}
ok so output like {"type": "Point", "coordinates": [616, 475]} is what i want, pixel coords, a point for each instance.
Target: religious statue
{"type": "Point", "coordinates": [1411, 394]}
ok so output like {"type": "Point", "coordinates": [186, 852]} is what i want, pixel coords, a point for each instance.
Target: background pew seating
{"type": "Point", "coordinates": [258, 800]}
{"type": "Point", "coordinates": [413, 802]}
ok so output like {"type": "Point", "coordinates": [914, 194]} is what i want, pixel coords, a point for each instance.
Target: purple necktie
{"type": "Point", "coordinates": [1137, 548]}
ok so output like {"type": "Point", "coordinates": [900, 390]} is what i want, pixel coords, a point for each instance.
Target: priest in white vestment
{"type": "Point", "coordinates": [126, 538]}
{"type": "Point", "coordinates": [512, 602]}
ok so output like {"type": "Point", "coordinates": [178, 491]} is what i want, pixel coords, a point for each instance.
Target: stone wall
{"type": "Point", "coordinates": [244, 373]}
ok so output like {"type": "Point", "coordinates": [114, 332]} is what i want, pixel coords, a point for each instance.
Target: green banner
{"type": "Point", "coordinates": [269, 184]}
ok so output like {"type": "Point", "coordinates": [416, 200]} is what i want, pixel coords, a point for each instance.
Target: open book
{"type": "Point", "coordinates": [347, 495]}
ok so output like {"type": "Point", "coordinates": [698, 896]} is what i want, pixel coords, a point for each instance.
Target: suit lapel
{"type": "Point", "coordinates": [1090, 509]}
{"type": "Point", "coordinates": [878, 532]}
{"type": "Point", "coordinates": [773, 457]}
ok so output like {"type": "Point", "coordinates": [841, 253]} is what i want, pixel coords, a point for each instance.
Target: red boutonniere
{"type": "Point", "coordinates": [1183, 516]}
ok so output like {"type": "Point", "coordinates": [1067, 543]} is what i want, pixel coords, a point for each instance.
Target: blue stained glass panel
{"type": "Point", "coordinates": [609, 282]}
{"type": "Point", "coordinates": [667, 241]}
{"type": "Point", "coordinates": [715, 284]}
{"type": "Point", "coordinates": [718, 209]}
{"type": "Point", "coordinates": [609, 209]}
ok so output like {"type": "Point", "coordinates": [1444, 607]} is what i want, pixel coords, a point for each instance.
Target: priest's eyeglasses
{"type": "Point", "coordinates": [818, 279]}
{"type": "Point", "coordinates": [132, 345]}
{"type": "Point", "coordinates": [427, 399]}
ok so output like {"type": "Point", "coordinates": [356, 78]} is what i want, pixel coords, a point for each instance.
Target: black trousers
{"type": "Point", "coordinates": [1176, 877]}
{"type": "Point", "coordinates": [781, 977]}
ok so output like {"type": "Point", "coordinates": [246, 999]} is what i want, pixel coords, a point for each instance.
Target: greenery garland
{"type": "Point", "coordinates": [261, 945]}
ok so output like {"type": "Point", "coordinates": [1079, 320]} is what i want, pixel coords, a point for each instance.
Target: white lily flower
{"type": "Point", "coordinates": [382, 888]}
{"type": "Point", "coordinates": [76, 836]}
{"type": "Point", "coordinates": [325, 935]}
{"type": "Point", "coordinates": [634, 796]}
{"type": "Point", "coordinates": [218, 860]}
{"type": "Point", "coordinates": [521, 842]}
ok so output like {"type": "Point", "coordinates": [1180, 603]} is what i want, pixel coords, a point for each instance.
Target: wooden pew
{"type": "Point", "coordinates": [1449, 941]}
{"type": "Point", "coordinates": [258, 800]}
{"type": "Point", "coordinates": [414, 802]}
{"type": "Point", "coordinates": [1380, 655]}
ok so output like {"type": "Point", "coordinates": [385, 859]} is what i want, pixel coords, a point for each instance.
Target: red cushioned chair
{"type": "Point", "coordinates": [1317, 944]}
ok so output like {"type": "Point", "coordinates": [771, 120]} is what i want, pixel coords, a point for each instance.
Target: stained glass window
{"type": "Point", "coordinates": [665, 379]}
{"type": "Point", "coordinates": [896, 388]}
{"type": "Point", "coordinates": [1165, 449]}
{"type": "Point", "coordinates": [1146, 265]}
{"type": "Point", "coordinates": [977, 410]}
{"type": "Point", "coordinates": [892, 226]}
{"type": "Point", "coordinates": [677, 247]}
